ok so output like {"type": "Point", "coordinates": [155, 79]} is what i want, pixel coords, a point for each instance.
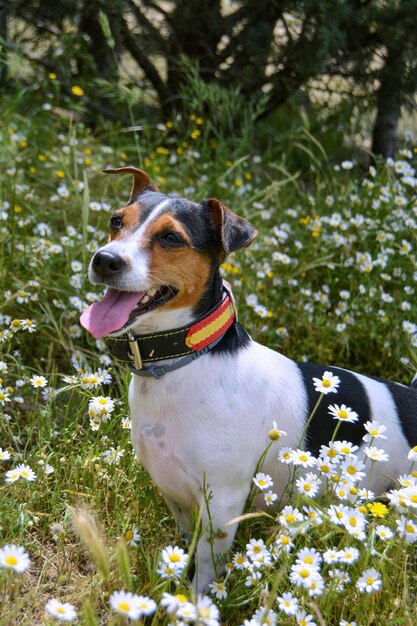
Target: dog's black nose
{"type": "Point", "coordinates": [107, 264]}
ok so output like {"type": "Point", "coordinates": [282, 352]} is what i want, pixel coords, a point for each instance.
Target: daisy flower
{"type": "Point", "coordinates": [370, 581]}
{"type": "Point", "coordinates": [383, 532]}
{"type": "Point", "coordinates": [407, 529]}
{"type": "Point", "coordinates": [38, 381]}
{"type": "Point", "coordinates": [288, 604]}
{"type": "Point", "coordinates": [263, 481]}
{"type": "Point", "coordinates": [376, 454]}
{"type": "Point", "coordinates": [239, 561]}
{"type": "Point", "coordinates": [352, 469]}
{"type": "Point", "coordinates": [348, 555]}
{"type": "Point", "coordinates": [310, 556]}
{"type": "Point", "coordinates": [132, 536]}
{"type": "Point", "coordinates": [303, 458]}
{"type": "Point", "coordinates": [374, 430]}
{"type": "Point", "coordinates": [328, 383]}
{"type": "Point", "coordinates": [312, 516]}
{"type": "Point", "coordinates": [331, 556]}
{"type": "Point", "coordinates": [100, 406]}
{"type": "Point", "coordinates": [131, 605]}
{"type": "Point", "coordinates": [20, 471]}
{"type": "Point", "coordinates": [172, 603]}
{"type": "Point", "coordinates": [284, 543]}
{"type": "Point", "coordinates": [175, 557]}
{"type": "Point", "coordinates": [218, 589]}
{"type": "Point", "coordinates": [207, 612]}
{"type": "Point", "coordinates": [345, 447]}
{"type": "Point", "coordinates": [343, 413]}
{"type": "Point", "coordinates": [412, 455]}
{"type": "Point", "coordinates": [284, 455]}
{"type": "Point", "coordinates": [4, 455]}
{"type": "Point", "coordinates": [275, 433]}
{"type": "Point", "coordinates": [270, 497]}
{"type": "Point", "coordinates": [262, 617]}
{"type": "Point", "coordinates": [15, 558]}
{"type": "Point", "coordinates": [309, 484]}
{"type": "Point", "coordinates": [303, 574]}
{"type": "Point", "coordinates": [63, 611]}
{"type": "Point", "coordinates": [354, 521]}
{"type": "Point", "coordinates": [187, 612]}
{"type": "Point", "coordinates": [304, 619]}
{"type": "Point", "coordinates": [290, 515]}
{"type": "Point", "coordinates": [256, 549]}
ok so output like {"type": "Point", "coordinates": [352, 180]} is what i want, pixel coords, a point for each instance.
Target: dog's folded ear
{"type": "Point", "coordinates": [141, 180]}
{"type": "Point", "coordinates": [234, 231]}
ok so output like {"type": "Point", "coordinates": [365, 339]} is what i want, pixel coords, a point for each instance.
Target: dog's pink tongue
{"type": "Point", "coordinates": [110, 313]}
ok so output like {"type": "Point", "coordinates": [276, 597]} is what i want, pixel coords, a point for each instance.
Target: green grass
{"type": "Point", "coordinates": [291, 289]}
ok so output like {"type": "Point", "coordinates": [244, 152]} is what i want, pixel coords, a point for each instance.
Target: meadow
{"type": "Point", "coordinates": [85, 537]}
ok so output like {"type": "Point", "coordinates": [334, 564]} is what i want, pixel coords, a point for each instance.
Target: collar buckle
{"type": "Point", "coordinates": [134, 351]}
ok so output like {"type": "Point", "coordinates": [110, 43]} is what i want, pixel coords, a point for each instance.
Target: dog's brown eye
{"type": "Point", "coordinates": [116, 221]}
{"type": "Point", "coordinates": [171, 239]}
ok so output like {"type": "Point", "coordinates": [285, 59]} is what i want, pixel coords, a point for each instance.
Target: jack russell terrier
{"type": "Point", "coordinates": [203, 394]}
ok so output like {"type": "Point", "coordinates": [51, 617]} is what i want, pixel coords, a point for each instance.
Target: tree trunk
{"type": "Point", "coordinates": [389, 99]}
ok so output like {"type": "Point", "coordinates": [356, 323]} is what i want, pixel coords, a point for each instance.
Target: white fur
{"type": "Point", "coordinates": [208, 423]}
{"type": "Point", "coordinates": [201, 429]}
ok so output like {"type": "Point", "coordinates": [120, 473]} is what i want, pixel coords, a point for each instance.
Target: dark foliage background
{"type": "Point", "coordinates": [275, 54]}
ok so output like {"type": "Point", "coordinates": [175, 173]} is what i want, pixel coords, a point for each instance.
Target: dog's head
{"type": "Point", "coordinates": [161, 253]}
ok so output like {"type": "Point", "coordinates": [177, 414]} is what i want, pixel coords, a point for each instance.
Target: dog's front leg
{"type": "Point", "coordinates": [182, 516]}
{"type": "Point", "coordinates": [217, 535]}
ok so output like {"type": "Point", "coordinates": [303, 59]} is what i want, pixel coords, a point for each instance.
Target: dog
{"type": "Point", "coordinates": [203, 394]}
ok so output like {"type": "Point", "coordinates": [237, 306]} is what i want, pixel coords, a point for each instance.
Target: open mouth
{"type": "Point", "coordinates": [119, 308]}
{"type": "Point", "coordinates": [153, 298]}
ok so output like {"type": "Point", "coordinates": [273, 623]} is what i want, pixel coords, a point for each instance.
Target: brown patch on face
{"type": "Point", "coordinates": [183, 267]}
{"type": "Point", "coordinates": [164, 223]}
{"type": "Point", "coordinates": [131, 218]}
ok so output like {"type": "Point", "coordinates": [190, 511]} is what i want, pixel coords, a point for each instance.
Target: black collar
{"type": "Point", "coordinates": [183, 344]}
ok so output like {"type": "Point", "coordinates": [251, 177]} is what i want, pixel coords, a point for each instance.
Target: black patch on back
{"type": "Point", "coordinates": [350, 392]}
{"type": "Point", "coordinates": [405, 399]}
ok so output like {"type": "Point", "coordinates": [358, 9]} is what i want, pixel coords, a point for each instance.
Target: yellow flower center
{"type": "Point", "coordinates": [174, 558]}
{"type": "Point", "coordinates": [331, 454]}
{"type": "Point", "coordinates": [342, 414]}
{"type": "Point", "coordinates": [309, 560]}
{"type": "Point", "coordinates": [374, 432]}
{"type": "Point", "coordinates": [409, 528]}
{"type": "Point", "coordinates": [180, 597]}
{"type": "Point", "coordinates": [240, 560]}
{"type": "Point", "coordinates": [303, 457]}
{"type": "Point", "coordinates": [307, 487]}
{"type": "Point", "coordinates": [413, 499]}
{"type": "Point", "coordinates": [123, 606]}
{"type": "Point", "coordinates": [256, 549]}
{"type": "Point", "coordinates": [285, 540]}
{"type": "Point", "coordinates": [102, 401]}
{"type": "Point", "coordinates": [370, 580]}
{"type": "Point", "coordinates": [345, 450]}
{"type": "Point", "coordinates": [326, 382]}
{"type": "Point", "coordinates": [352, 521]}
{"type": "Point", "coordinates": [262, 482]}
{"type": "Point", "coordinates": [11, 560]}
{"type": "Point", "coordinates": [351, 469]}
{"type": "Point", "coordinates": [290, 518]}
{"type": "Point", "coordinates": [204, 612]}
{"type": "Point", "coordinates": [304, 573]}
{"type": "Point", "coordinates": [60, 610]}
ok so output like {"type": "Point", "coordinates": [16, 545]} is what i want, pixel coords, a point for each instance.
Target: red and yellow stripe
{"type": "Point", "coordinates": [212, 327]}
